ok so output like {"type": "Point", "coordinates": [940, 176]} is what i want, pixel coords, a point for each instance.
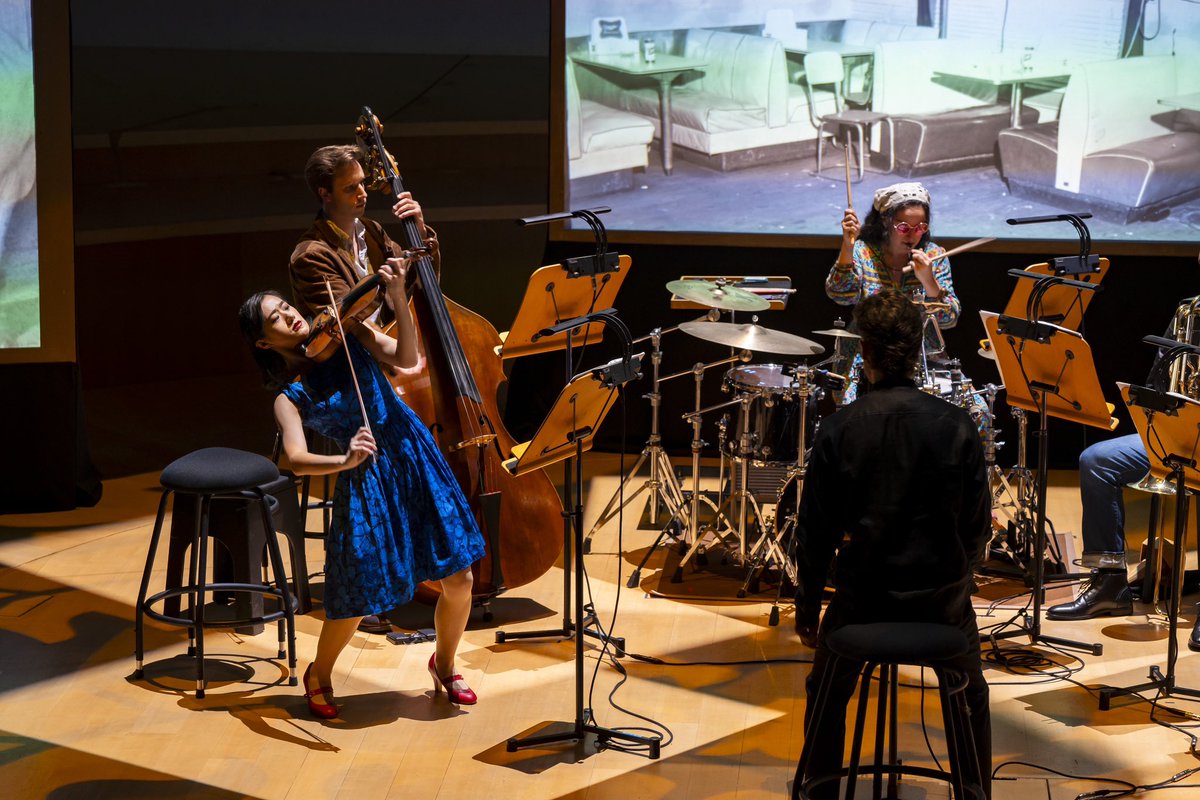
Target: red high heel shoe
{"type": "Point", "coordinates": [456, 688]}
{"type": "Point", "coordinates": [316, 708]}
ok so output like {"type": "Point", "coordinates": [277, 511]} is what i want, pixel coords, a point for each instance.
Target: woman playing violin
{"type": "Point", "coordinates": [399, 516]}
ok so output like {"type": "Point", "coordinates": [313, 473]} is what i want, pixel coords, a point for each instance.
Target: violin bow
{"type": "Point", "coordinates": [362, 407]}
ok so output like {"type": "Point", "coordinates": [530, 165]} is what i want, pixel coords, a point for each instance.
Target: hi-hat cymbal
{"type": "Point", "coordinates": [751, 337]}
{"type": "Point", "coordinates": [840, 332]}
{"type": "Point", "coordinates": [714, 295]}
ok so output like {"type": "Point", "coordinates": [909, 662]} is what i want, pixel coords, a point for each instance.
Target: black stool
{"type": "Point", "coordinates": [885, 646]}
{"type": "Point", "coordinates": [235, 522]}
{"type": "Point", "coordinates": [216, 473]}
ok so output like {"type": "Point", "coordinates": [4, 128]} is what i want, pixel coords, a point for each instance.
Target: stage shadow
{"type": "Point", "coordinates": [35, 768]}
{"type": "Point", "coordinates": [536, 760]}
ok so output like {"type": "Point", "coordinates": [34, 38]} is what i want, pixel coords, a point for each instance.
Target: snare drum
{"type": "Point", "coordinates": [773, 414]}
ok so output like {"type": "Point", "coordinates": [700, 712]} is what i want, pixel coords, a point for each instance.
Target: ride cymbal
{"type": "Point", "coordinates": [751, 337]}
{"type": "Point", "coordinates": [715, 295]}
{"type": "Point", "coordinates": [840, 332]}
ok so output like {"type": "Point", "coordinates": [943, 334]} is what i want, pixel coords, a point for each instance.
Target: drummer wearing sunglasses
{"type": "Point", "coordinates": [892, 248]}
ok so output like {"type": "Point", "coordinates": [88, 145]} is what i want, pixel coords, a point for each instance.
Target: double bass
{"type": "Point", "coordinates": [455, 396]}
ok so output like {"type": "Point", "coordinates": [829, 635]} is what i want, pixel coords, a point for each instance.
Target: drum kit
{"type": "Point", "coordinates": [773, 415]}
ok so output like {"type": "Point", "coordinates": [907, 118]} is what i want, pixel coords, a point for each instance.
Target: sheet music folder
{"type": "Point", "coordinates": [1168, 433]}
{"type": "Point", "coordinates": [553, 296]}
{"type": "Point", "coordinates": [1061, 304]}
{"type": "Point", "coordinates": [1063, 362]}
{"type": "Point", "coordinates": [571, 424]}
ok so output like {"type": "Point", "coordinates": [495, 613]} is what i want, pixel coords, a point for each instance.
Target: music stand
{"type": "Point", "coordinates": [1169, 425]}
{"type": "Point", "coordinates": [1049, 370]}
{"type": "Point", "coordinates": [1063, 302]}
{"type": "Point", "coordinates": [566, 434]}
{"type": "Point", "coordinates": [554, 294]}
{"type": "Point", "coordinates": [554, 314]}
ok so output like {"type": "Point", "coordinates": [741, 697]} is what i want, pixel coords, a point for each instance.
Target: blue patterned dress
{"type": "Point", "coordinates": [398, 519]}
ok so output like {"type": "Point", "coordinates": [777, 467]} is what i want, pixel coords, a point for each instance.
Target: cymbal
{"type": "Point", "coordinates": [751, 337]}
{"type": "Point", "coordinates": [840, 332]}
{"type": "Point", "coordinates": [714, 295]}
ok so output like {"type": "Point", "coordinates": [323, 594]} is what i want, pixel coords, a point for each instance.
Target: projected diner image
{"type": "Point", "coordinates": [795, 109]}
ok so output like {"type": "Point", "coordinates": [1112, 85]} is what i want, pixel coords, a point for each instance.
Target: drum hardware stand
{"type": "Point", "coordinates": [687, 513]}
{"type": "Point", "coordinates": [1040, 360]}
{"type": "Point", "coordinates": [563, 436]}
{"type": "Point", "coordinates": [662, 483]}
{"type": "Point", "coordinates": [740, 495]}
{"type": "Point", "coordinates": [1168, 425]}
{"type": "Point", "coordinates": [774, 547]}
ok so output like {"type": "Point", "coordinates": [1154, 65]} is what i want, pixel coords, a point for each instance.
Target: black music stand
{"type": "Point", "coordinates": [1169, 425]}
{"type": "Point", "coordinates": [1049, 370]}
{"type": "Point", "coordinates": [1042, 293]}
{"type": "Point", "coordinates": [559, 310]}
{"type": "Point", "coordinates": [564, 435]}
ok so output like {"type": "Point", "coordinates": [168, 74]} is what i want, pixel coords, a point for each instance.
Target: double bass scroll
{"type": "Point", "coordinates": [456, 397]}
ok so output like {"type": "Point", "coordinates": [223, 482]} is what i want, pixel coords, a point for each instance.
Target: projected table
{"type": "Point", "coordinates": [663, 70]}
{"type": "Point", "coordinates": [852, 55]}
{"type": "Point", "coordinates": [1002, 70]}
{"type": "Point", "coordinates": [1188, 102]}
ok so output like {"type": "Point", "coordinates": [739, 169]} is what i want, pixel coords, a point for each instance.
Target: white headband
{"type": "Point", "coordinates": [891, 196]}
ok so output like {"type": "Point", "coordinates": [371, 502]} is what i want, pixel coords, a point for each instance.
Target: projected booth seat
{"type": "Point", "coordinates": [1119, 148]}
{"type": "Point", "coordinates": [941, 123]}
{"type": "Point", "coordinates": [603, 143]}
{"type": "Point", "coordinates": [740, 110]}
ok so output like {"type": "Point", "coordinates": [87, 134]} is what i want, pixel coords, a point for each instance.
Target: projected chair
{"type": "Point", "coordinates": [610, 37]}
{"type": "Point", "coordinates": [823, 76]}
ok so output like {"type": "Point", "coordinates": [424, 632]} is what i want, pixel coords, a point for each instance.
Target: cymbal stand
{"type": "Point", "coordinates": [1014, 494]}
{"type": "Point", "coordinates": [771, 550]}
{"type": "Point", "coordinates": [663, 485]}
{"type": "Point", "coordinates": [720, 529]}
{"type": "Point", "coordinates": [685, 512]}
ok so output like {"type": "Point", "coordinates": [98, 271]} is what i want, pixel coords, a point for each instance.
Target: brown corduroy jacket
{"type": "Point", "coordinates": [318, 257]}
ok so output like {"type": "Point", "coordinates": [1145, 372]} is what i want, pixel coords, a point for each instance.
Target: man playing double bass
{"type": "Point", "coordinates": [343, 248]}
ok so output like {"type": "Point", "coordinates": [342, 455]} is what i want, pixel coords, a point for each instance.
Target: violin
{"type": "Point", "coordinates": [328, 326]}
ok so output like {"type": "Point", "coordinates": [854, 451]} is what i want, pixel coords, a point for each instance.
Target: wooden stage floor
{"type": "Point", "coordinates": [74, 725]}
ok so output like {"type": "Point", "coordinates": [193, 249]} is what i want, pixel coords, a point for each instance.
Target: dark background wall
{"type": "Point", "coordinates": [192, 123]}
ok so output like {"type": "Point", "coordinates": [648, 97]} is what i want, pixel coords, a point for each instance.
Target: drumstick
{"type": "Point", "coordinates": [849, 199]}
{"type": "Point", "coordinates": [961, 248]}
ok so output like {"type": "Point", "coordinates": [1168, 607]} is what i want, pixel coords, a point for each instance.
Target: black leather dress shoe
{"type": "Point", "coordinates": [375, 624]}
{"type": "Point", "coordinates": [1194, 639]}
{"type": "Point", "coordinates": [1106, 594]}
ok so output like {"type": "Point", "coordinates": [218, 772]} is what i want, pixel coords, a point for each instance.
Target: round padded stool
{"type": "Point", "coordinates": [216, 473]}
{"type": "Point", "coordinates": [883, 647]}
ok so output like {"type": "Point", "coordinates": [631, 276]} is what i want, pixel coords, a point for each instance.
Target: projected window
{"type": "Point", "coordinates": [20, 324]}
{"type": "Point", "coordinates": [766, 117]}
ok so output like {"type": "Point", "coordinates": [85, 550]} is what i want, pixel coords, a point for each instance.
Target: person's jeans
{"type": "Point", "coordinates": [1104, 470]}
